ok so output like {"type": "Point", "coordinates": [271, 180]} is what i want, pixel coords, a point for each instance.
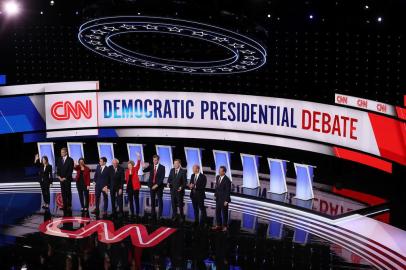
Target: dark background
{"type": "Point", "coordinates": [343, 49]}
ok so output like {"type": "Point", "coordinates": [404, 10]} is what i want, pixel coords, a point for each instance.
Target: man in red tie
{"type": "Point", "coordinates": [156, 184]}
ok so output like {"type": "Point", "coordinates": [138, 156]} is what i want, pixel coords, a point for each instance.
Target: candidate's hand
{"type": "Point", "coordinates": [191, 186]}
{"type": "Point", "coordinates": [144, 165]}
{"type": "Point", "coordinates": [138, 155]}
{"type": "Point", "coordinates": [225, 203]}
{"type": "Point", "coordinates": [120, 191]}
{"type": "Point", "coordinates": [88, 187]}
{"type": "Point", "coordinates": [179, 189]}
{"type": "Point", "coordinates": [36, 157]}
{"type": "Point", "coordinates": [154, 186]}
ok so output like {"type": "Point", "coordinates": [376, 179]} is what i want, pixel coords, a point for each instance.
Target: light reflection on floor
{"type": "Point", "coordinates": [260, 237]}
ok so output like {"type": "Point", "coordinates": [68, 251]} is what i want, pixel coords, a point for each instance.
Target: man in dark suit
{"type": "Point", "coordinates": [64, 172]}
{"type": "Point", "coordinates": [102, 179]}
{"type": "Point", "coordinates": [177, 182]}
{"type": "Point", "coordinates": [197, 194]}
{"type": "Point", "coordinates": [156, 184]}
{"type": "Point", "coordinates": [222, 196]}
{"type": "Point", "coordinates": [116, 186]}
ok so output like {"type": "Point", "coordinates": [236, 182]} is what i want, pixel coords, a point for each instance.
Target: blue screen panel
{"type": "Point", "coordinates": [193, 157]}
{"type": "Point", "coordinates": [133, 149]}
{"type": "Point", "coordinates": [167, 210]}
{"type": "Point", "coordinates": [106, 150]}
{"type": "Point", "coordinates": [76, 151]}
{"type": "Point", "coordinates": [47, 149]}
{"type": "Point", "coordinates": [275, 229]}
{"type": "Point", "coordinates": [304, 182]}
{"type": "Point", "coordinates": [249, 222]}
{"type": "Point", "coordinates": [165, 157]}
{"type": "Point", "coordinates": [278, 176]}
{"type": "Point", "coordinates": [222, 158]}
{"type": "Point", "coordinates": [2, 79]}
{"type": "Point", "coordinates": [190, 214]}
{"type": "Point", "coordinates": [250, 171]}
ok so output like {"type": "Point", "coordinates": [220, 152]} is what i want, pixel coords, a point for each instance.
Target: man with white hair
{"type": "Point", "coordinates": [116, 183]}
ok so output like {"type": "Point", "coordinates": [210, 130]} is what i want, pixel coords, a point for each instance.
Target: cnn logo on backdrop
{"type": "Point", "coordinates": [65, 110]}
{"type": "Point", "coordinates": [71, 110]}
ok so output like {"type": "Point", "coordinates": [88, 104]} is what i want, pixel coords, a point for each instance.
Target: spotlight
{"type": "Point", "coordinates": [311, 17]}
{"type": "Point", "coordinates": [269, 15]}
{"type": "Point", "coordinates": [52, 2]}
{"type": "Point", "coordinates": [11, 8]}
{"type": "Point", "coordinates": [379, 19]}
{"type": "Point", "coordinates": [366, 7]}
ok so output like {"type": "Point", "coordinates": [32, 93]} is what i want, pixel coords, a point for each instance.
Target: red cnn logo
{"type": "Point", "coordinates": [64, 110]}
{"type": "Point", "coordinates": [106, 232]}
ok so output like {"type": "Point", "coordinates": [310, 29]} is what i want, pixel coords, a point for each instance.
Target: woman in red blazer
{"type": "Point", "coordinates": [83, 184]}
{"type": "Point", "coordinates": [133, 185]}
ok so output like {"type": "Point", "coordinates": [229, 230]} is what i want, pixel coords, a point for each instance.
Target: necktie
{"type": "Point", "coordinates": [154, 177]}
{"type": "Point", "coordinates": [102, 168]}
{"type": "Point", "coordinates": [196, 177]}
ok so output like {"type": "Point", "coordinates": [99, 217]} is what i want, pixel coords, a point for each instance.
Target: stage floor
{"type": "Point", "coordinates": [262, 235]}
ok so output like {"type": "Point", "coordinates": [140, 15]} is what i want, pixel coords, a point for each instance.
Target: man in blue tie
{"type": "Point", "coordinates": [101, 178]}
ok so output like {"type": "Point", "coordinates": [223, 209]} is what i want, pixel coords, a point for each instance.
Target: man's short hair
{"type": "Point", "coordinates": [197, 166]}
{"type": "Point", "coordinates": [224, 168]}
{"type": "Point", "coordinates": [104, 159]}
{"type": "Point", "coordinates": [155, 156]}
{"type": "Point", "coordinates": [115, 159]}
{"type": "Point", "coordinates": [64, 149]}
{"type": "Point", "coordinates": [178, 160]}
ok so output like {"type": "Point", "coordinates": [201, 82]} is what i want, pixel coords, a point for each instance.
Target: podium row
{"type": "Point", "coordinates": [277, 167]}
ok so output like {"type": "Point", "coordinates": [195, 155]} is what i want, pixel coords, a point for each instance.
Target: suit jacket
{"type": "Point", "coordinates": [65, 169]}
{"type": "Point", "coordinates": [86, 174]}
{"type": "Point", "coordinates": [102, 179]}
{"type": "Point", "coordinates": [179, 180]}
{"type": "Point", "coordinates": [223, 189]}
{"type": "Point", "coordinates": [116, 178]}
{"type": "Point", "coordinates": [160, 175]}
{"type": "Point", "coordinates": [45, 176]}
{"type": "Point", "coordinates": [198, 191]}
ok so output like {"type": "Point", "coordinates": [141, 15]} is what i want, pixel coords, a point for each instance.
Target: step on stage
{"type": "Point", "coordinates": [263, 234]}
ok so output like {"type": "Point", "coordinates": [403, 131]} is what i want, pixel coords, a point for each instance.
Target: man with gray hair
{"type": "Point", "coordinates": [116, 183]}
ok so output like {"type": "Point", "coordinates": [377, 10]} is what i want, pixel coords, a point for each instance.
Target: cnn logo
{"type": "Point", "coordinates": [65, 110]}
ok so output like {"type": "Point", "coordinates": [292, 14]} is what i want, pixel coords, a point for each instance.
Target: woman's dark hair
{"type": "Point", "coordinates": [45, 158]}
{"type": "Point", "coordinates": [81, 159]}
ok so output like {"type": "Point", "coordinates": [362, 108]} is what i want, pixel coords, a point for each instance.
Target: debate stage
{"type": "Point", "coordinates": [265, 232]}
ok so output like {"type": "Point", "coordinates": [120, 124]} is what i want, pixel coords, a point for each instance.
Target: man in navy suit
{"type": "Point", "coordinates": [64, 170]}
{"type": "Point", "coordinates": [156, 184]}
{"type": "Point", "coordinates": [222, 196]}
{"type": "Point", "coordinates": [177, 182]}
{"type": "Point", "coordinates": [102, 179]}
{"type": "Point", "coordinates": [197, 187]}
